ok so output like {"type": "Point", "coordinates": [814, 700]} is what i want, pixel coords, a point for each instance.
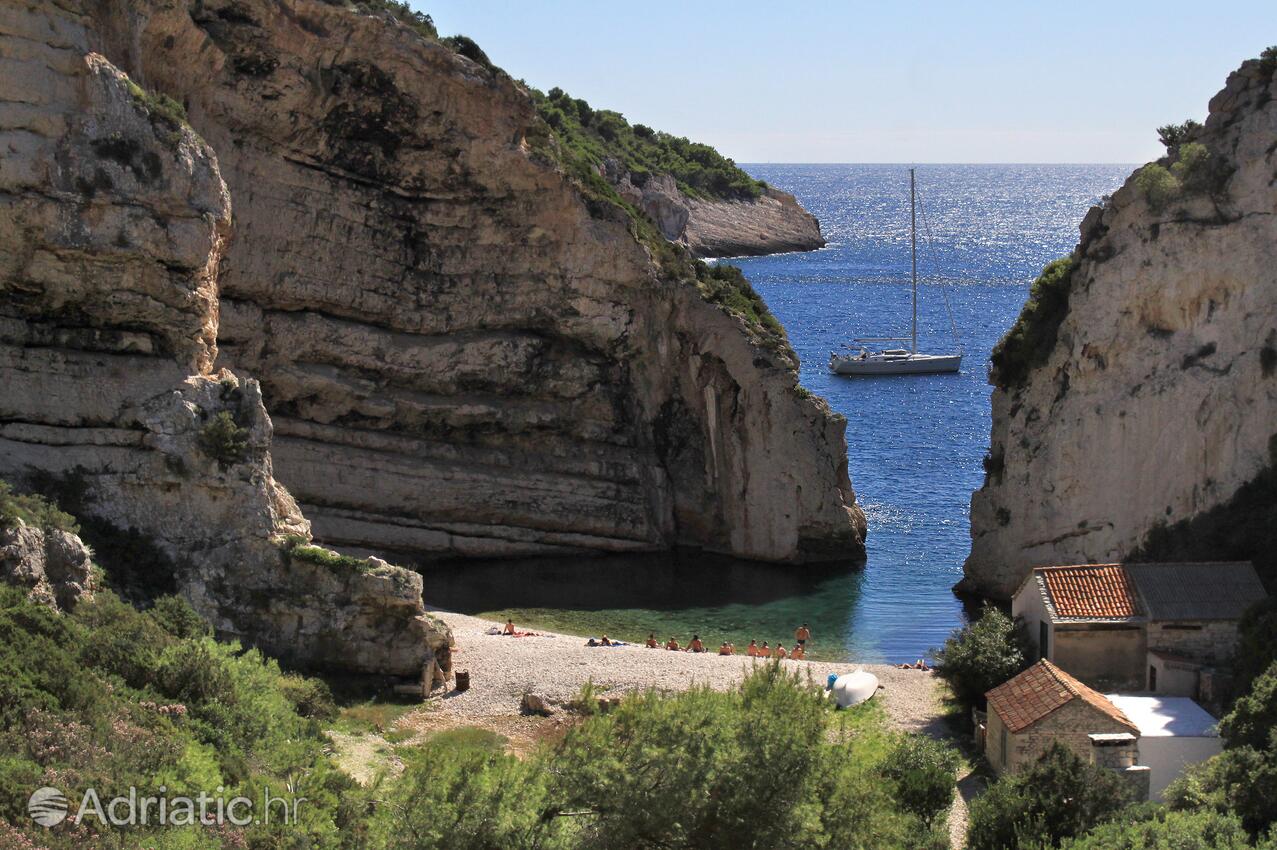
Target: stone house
{"type": "Point", "coordinates": [1152, 627]}
{"type": "Point", "coordinates": [1042, 705]}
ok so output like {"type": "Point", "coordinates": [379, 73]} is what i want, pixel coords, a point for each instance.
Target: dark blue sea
{"type": "Point", "coordinates": [915, 443]}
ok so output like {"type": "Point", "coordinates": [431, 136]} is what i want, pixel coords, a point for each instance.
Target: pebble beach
{"type": "Point", "coordinates": [554, 666]}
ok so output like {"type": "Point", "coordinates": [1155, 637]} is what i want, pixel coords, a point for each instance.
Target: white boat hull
{"type": "Point", "coordinates": [854, 688]}
{"type": "Point", "coordinates": [910, 364]}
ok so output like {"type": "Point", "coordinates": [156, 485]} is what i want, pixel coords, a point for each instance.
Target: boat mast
{"type": "Point", "coordinates": [913, 253]}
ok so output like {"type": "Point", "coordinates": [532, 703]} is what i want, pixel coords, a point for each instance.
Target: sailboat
{"type": "Point", "coordinates": [897, 361]}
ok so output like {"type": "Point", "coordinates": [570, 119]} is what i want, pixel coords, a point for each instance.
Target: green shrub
{"type": "Point", "coordinates": [309, 697]}
{"type": "Point", "coordinates": [176, 616]}
{"type": "Point", "coordinates": [1161, 829]}
{"type": "Point", "coordinates": [767, 765]}
{"type": "Point", "coordinates": [1238, 781]}
{"type": "Point", "coordinates": [34, 510]}
{"type": "Point", "coordinates": [1173, 135]}
{"type": "Point", "coordinates": [922, 770]}
{"type": "Point", "coordinates": [1032, 338]}
{"type": "Point", "coordinates": [1156, 183]}
{"type": "Point", "coordinates": [466, 46]}
{"type": "Point", "coordinates": [419, 21]}
{"type": "Point", "coordinates": [1256, 643]}
{"type": "Point", "coordinates": [1253, 718]}
{"type": "Point", "coordinates": [1058, 798]}
{"type": "Point", "coordinates": [223, 440]}
{"type": "Point", "coordinates": [982, 655]}
{"type": "Point", "coordinates": [301, 549]}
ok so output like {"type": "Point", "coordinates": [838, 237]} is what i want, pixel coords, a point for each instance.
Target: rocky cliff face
{"type": "Point", "coordinates": [1157, 403]}
{"type": "Point", "coordinates": [771, 224]}
{"type": "Point", "coordinates": [462, 355]}
{"type": "Point", "coordinates": [54, 565]}
{"type": "Point", "coordinates": [113, 220]}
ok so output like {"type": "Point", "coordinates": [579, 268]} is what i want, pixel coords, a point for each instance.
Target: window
{"type": "Point", "coordinates": [1003, 742]}
{"type": "Point", "coordinates": [1044, 635]}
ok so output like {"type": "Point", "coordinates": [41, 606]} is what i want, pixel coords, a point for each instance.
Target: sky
{"type": "Point", "coordinates": [888, 81]}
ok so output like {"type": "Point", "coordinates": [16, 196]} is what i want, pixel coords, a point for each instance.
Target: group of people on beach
{"type": "Point", "coordinates": [801, 635]}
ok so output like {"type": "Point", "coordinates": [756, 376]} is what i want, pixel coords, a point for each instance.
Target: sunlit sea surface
{"type": "Point", "coordinates": [915, 443]}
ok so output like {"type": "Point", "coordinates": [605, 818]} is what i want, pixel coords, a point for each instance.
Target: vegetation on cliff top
{"type": "Point", "coordinates": [1030, 340]}
{"type": "Point", "coordinates": [596, 135]}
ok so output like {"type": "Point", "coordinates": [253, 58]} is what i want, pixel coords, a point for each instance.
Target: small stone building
{"type": "Point", "coordinates": [1042, 705]}
{"type": "Point", "coordinates": [1137, 626]}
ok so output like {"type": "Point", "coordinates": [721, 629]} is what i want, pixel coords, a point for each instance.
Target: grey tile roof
{"type": "Point", "coordinates": [1197, 591]}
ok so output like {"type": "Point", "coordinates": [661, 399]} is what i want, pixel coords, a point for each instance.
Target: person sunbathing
{"type": "Point", "coordinates": [765, 651]}
{"type": "Point", "coordinates": [592, 642]}
{"type": "Point", "coordinates": [725, 649]}
{"type": "Point", "coordinates": [672, 645]}
{"type": "Point", "coordinates": [798, 653]}
{"type": "Point", "coordinates": [509, 628]}
{"type": "Point", "coordinates": [696, 645]}
{"type": "Point", "coordinates": [605, 641]}
{"type": "Point", "coordinates": [780, 651]}
{"type": "Point", "coordinates": [652, 643]}
{"type": "Point", "coordinates": [752, 649]}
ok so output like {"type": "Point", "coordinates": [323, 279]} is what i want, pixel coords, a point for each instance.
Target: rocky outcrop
{"type": "Point", "coordinates": [771, 224]}
{"type": "Point", "coordinates": [53, 564]}
{"type": "Point", "coordinates": [1158, 401]}
{"type": "Point", "coordinates": [461, 353]}
{"type": "Point", "coordinates": [113, 220]}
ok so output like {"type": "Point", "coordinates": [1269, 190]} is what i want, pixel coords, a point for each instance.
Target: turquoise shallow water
{"type": "Point", "coordinates": [915, 443]}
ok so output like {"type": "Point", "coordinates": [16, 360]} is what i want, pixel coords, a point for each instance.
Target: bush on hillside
{"type": "Point", "coordinates": [468, 48]}
{"type": "Point", "coordinates": [1240, 779]}
{"type": "Point", "coordinates": [1157, 828]}
{"type": "Point", "coordinates": [922, 770]}
{"type": "Point", "coordinates": [223, 440]}
{"type": "Point", "coordinates": [766, 765]}
{"type": "Point", "coordinates": [1173, 135]}
{"type": "Point", "coordinates": [34, 510]}
{"type": "Point", "coordinates": [1032, 338]}
{"type": "Point", "coordinates": [1058, 798]}
{"type": "Point", "coordinates": [982, 655]}
{"type": "Point", "coordinates": [109, 697]}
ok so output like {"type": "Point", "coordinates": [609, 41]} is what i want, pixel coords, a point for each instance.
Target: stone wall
{"type": "Point", "coordinates": [1106, 656]}
{"type": "Point", "coordinates": [1071, 724]}
{"type": "Point", "coordinates": [1206, 641]}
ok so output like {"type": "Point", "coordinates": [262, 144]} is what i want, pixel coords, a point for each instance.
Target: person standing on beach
{"type": "Point", "coordinates": [802, 634]}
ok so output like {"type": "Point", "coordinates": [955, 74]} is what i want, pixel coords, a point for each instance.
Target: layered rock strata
{"type": "Point", "coordinates": [113, 220]}
{"type": "Point", "coordinates": [1158, 401]}
{"type": "Point", "coordinates": [462, 354]}
{"type": "Point", "coordinates": [773, 223]}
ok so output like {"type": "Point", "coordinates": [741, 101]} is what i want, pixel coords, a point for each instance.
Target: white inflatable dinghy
{"type": "Point", "coordinates": [854, 688]}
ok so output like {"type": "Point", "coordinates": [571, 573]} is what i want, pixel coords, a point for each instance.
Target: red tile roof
{"type": "Point", "coordinates": [1032, 695]}
{"type": "Point", "coordinates": [1091, 591]}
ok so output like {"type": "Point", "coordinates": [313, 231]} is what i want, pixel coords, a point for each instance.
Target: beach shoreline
{"type": "Point", "coordinates": [555, 666]}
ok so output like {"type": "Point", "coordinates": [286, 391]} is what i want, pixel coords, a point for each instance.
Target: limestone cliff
{"type": "Point", "coordinates": [1155, 401]}
{"type": "Point", "coordinates": [464, 352]}
{"type": "Point", "coordinates": [771, 224]}
{"type": "Point", "coordinates": [113, 220]}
